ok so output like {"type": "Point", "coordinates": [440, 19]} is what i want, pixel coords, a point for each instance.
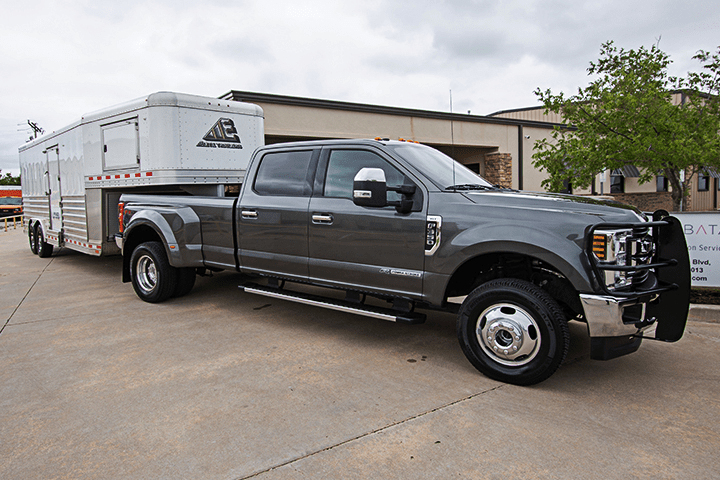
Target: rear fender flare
{"type": "Point", "coordinates": [179, 231]}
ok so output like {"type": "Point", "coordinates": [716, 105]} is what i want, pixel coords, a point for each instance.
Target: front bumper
{"type": "Point", "coordinates": [604, 315]}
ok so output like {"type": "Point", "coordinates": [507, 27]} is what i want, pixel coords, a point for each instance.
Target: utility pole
{"type": "Point", "coordinates": [35, 128]}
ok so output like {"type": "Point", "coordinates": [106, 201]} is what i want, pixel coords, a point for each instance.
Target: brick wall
{"type": "Point", "coordinates": [498, 169]}
{"type": "Point", "coordinates": [646, 202]}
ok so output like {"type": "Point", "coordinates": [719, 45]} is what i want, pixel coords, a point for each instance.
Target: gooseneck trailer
{"type": "Point", "coordinates": [165, 142]}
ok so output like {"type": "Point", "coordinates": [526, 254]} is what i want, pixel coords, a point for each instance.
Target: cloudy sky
{"type": "Point", "coordinates": [63, 58]}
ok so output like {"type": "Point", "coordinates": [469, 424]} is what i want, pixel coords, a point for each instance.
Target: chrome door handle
{"type": "Point", "coordinates": [249, 213]}
{"type": "Point", "coordinates": [322, 218]}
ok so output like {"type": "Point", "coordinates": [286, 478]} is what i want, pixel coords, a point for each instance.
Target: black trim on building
{"type": "Point", "coordinates": [521, 137]}
{"type": "Point", "coordinates": [516, 110]}
{"type": "Point", "coordinates": [241, 96]}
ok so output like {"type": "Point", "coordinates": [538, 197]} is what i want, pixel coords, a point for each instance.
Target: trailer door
{"type": "Point", "coordinates": [53, 173]}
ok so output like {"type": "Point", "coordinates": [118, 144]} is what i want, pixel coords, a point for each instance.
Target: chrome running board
{"type": "Point", "coordinates": [339, 305]}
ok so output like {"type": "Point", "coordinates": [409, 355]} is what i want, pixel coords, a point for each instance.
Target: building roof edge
{"type": "Point", "coordinates": [245, 96]}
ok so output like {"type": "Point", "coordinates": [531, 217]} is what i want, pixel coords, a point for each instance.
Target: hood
{"type": "Point", "coordinates": [603, 210]}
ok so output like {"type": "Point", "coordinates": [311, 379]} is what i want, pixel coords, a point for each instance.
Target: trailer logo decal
{"type": "Point", "coordinates": [222, 135]}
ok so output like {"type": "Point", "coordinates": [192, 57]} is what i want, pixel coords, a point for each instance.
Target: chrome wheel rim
{"type": "Point", "coordinates": [508, 334]}
{"type": "Point", "coordinates": [146, 273]}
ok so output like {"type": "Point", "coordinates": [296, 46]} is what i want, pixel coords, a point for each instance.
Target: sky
{"type": "Point", "coordinates": [61, 59]}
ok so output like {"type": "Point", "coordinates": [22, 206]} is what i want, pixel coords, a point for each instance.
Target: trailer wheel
{"type": "Point", "coordinates": [32, 239]}
{"type": "Point", "coordinates": [185, 281]}
{"type": "Point", "coordinates": [153, 278]}
{"type": "Point", "coordinates": [513, 331]}
{"type": "Point", "coordinates": [44, 249]}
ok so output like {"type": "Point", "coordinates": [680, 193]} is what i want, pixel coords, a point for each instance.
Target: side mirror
{"type": "Point", "coordinates": [406, 203]}
{"type": "Point", "coordinates": [370, 188]}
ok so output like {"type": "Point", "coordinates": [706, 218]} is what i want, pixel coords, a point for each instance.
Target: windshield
{"type": "Point", "coordinates": [10, 201]}
{"type": "Point", "coordinates": [438, 167]}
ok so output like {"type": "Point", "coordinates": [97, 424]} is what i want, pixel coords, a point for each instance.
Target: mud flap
{"type": "Point", "coordinates": [671, 309]}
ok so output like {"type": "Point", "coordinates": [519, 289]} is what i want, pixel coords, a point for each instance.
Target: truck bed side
{"type": "Point", "coordinates": [195, 231]}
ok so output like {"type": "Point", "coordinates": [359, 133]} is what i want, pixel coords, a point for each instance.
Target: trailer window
{"type": "Point", "coordinates": [121, 145]}
{"type": "Point", "coordinates": [284, 173]}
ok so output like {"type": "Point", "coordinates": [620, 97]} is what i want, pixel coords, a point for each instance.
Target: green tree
{"type": "Point", "coordinates": [625, 116]}
{"type": "Point", "coordinates": [8, 179]}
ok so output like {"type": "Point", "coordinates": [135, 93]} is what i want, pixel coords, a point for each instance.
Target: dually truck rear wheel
{"type": "Point", "coordinates": [153, 278]}
{"type": "Point", "coordinates": [513, 331]}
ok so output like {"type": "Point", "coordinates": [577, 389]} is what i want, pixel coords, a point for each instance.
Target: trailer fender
{"type": "Point", "coordinates": [29, 223]}
{"type": "Point", "coordinates": [37, 223]}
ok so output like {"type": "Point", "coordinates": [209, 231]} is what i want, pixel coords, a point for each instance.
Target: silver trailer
{"type": "Point", "coordinates": [165, 142]}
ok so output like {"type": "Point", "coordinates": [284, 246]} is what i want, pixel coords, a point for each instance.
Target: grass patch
{"type": "Point", "coordinates": [705, 295]}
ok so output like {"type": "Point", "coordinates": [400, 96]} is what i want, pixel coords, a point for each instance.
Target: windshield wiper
{"type": "Point", "coordinates": [471, 186]}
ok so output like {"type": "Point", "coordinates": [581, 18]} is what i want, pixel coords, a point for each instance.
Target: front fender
{"type": "Point", "coordinates": [564, 253]}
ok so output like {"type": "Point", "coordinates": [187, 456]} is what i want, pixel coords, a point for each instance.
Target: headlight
{"type": "Point", "coordinates": [611, 247]}
{"type": "Point", "coordinates": [625, 249]}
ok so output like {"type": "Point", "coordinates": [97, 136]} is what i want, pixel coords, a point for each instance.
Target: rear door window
{"type": "Point", "coordinates": [285, 174]}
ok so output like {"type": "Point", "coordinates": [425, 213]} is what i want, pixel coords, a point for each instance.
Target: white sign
{"type": "Point", "coordinates": [702, 233]}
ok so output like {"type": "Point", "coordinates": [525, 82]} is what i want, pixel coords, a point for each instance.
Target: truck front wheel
{"type": "Point", "coordinates": [153, 278]}
{"type": "Point", "coordinates": [513, 331]}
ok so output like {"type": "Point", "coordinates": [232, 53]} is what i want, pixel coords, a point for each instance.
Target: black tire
{"type": "Point", "coordinates": [513, 331]}
{"type": "Point", "coordinates": [32, 239]}
{"type": "Point", "coordinates": [153, 278]}
{"type": "Point", "coordinates": [44, 249]}
{"type": "Point", "coordinates": [185, 281]}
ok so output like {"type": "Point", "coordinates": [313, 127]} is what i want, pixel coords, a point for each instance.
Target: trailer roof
{"type": "Point", "coordinates": [175, 100]}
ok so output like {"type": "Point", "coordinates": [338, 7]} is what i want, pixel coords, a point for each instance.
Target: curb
{"type": "Point", "coordinates": [704, 313]}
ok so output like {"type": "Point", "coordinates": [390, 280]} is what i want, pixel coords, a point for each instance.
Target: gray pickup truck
{"type": "Point", "coordinates": [398, 227]}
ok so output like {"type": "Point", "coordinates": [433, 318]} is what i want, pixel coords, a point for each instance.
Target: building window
{"type": "Point", "coordinates": [703, 183]}
{"type": "Point", "coordinates": [617, 182]}
{"type": "Point", "coordinates": [474, 167]}
{"type": "Point", "coordinates": [567, 187]}
{"type": "Point", "coordinates": [662, 183]}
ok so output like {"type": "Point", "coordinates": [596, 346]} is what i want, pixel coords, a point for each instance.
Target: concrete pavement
{"type": "Point", "coordinates": [95, 383]}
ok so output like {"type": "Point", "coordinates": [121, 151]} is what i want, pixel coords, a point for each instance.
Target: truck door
{"type": "Point", "coordinates": [54, 188]}
{"type": "Point", "coordinates": [358, 247]}
{"type": "Point", "coordinates": [272, 215]}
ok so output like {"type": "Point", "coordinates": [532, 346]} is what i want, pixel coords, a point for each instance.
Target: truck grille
{"type": "Point", "coordinates": [641, 250]}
